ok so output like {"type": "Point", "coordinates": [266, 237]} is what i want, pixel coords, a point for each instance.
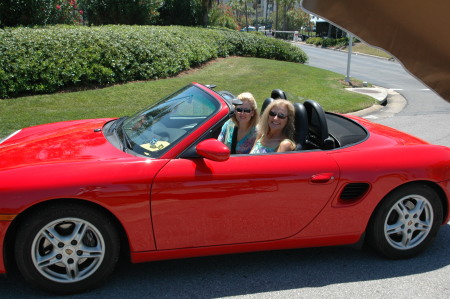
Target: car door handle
{"type": "Point", "coordinates": [322, 178]}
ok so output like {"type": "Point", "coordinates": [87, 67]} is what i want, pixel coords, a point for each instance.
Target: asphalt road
{"type": "Point", "coordinates": [336, 272]}
{"type": "Point", "coordinates": [426, 115]}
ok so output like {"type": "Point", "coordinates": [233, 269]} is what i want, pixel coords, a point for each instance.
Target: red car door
{"type": "Point", "coordinates": [198, 202]}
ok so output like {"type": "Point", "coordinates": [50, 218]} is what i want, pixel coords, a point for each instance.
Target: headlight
{"type": "Point", "coordinates": [9, 136]}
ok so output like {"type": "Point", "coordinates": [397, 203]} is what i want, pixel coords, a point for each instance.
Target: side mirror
{"type": "Point", "coordinates": [213, 149]}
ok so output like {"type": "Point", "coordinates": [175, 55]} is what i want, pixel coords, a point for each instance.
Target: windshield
{"type": "Point", "coordinates": [157, 128]}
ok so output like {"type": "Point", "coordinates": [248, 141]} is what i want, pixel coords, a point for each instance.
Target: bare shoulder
{"type": "Point", "coordinates": [286, 145]}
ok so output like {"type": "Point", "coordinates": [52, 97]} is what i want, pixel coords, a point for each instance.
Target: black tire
{"type": "Point", "coordinates": [65, 249]}
{"type": "Point", "coordinates": [406, 221]}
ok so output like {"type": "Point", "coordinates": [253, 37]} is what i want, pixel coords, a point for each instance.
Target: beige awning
{"type": "Point", "coordinates": [416, 32]}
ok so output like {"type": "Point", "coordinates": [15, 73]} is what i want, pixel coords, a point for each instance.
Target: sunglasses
{"type": "Point", "coordinates": [245, 110]}
{"type": "Point", "coordinates": [280, 115]}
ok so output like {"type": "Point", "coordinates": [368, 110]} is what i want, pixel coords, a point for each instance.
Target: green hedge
{"type": "Point", "coordinates": [44, 60]}
{"type": "Point", "coordinates": [328, 42]}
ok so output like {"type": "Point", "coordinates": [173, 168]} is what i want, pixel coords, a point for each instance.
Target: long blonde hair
{"type": "Point", "coordinates": [248, 97]}
{"type": "Point", "coordinates": [288, 130]}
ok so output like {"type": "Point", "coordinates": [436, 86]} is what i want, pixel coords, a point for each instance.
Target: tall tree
{"type": "Point", "coordinates": [287, 4]}
{"type": "Point", "coordinates": [277, 4]}
{"type": "Point", "coordinates": [206, 6]}
{"type": "Point", "coordinates": [181, 12]}
{"type": "Point", "coordinates": [102, 12]}
{"type": "Point", "coordinates": [255, 7]}
{"type": "Point", "coordinates": [246, 15]}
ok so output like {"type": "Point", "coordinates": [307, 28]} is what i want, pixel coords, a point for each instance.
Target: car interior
{"type": "Point", "coordinates": [317, 129]}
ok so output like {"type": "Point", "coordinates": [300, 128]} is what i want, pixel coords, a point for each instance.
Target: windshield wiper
{"type": "Point", "coordinates": [125, 140]}
{"type": "Point", "coordinates": [120, 130]}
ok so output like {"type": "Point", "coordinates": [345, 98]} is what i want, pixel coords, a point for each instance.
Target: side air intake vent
{"type": "Point", "coordinates": [354, 191]}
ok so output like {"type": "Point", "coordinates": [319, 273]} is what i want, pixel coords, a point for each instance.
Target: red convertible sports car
{"type": "Point", "coordinates": [159, 185]}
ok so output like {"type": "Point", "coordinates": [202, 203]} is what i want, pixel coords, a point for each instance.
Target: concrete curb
{"type": "Point", "coordinates": [394, 103]}
{"type": "Point", "coordinates": [339, 50]}
{"type": "Point", "coordinates": [390, 102]}
{"type": "Point", "coordinates": [378, 93]}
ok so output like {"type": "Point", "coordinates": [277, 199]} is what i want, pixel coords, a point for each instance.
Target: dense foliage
{"type": "Point", "coordinates": [102, 12]}
{"type": "Point", "coordinates": [328, 42]}
{"type": "Point", "coordinates": [40, 12]}
{"type": "Point", "coordinates": [43, 60]}
{"type": "Point", "coordinates": [94, 12]}
{"type": "Point", "coordinates": [233, 14]}
{"type": "Point", "coordinates": [180, 12]}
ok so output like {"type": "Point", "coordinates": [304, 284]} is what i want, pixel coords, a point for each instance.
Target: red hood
{"type": "Point", "coordinates": [57, 142]}
{"type": "Point", "coordinates": [70, 160]}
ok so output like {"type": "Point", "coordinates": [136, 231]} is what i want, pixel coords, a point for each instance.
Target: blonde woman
{"type": "Point", "coordinates": [239, 133]}
{"type": "Point", "coordinates": [276, 128]}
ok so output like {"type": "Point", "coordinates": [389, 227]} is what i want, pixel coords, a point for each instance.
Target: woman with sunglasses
{"type": "Point", "coordinates": [239, 133]}
{"type": "Point", "coordinates": [276, 128]}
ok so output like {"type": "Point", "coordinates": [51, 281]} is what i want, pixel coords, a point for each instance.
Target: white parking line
{"type": "Point", "coordinates": [400, 89]}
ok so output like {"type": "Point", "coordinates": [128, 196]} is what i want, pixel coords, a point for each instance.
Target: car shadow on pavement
{"type": "Point", "coordinates": [251, 273]}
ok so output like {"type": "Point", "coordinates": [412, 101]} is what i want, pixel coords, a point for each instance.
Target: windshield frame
{"type": "Point", "coordinates": [156, 129]}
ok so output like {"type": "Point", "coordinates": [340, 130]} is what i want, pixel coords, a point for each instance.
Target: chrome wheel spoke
{"type": "Point", "coordinates": [406, 239]}
{"type": "Point", "coordinates": [47, 260]}
{"type": "Point", "coordinates": [420, 208]}
{"type": "Point", "coordinates": [394, 228]}
{"type": "Point", "coordinates": [77, 234]}
{"type": "Point", "coordinates": [89, 252]}
{"type": "Point", "coordinates": [52, 236]}
{"type": "Point", "coordinates": [401, 210]}
{"type": "Point", "coordinates": [72, 270]}
{"type": "Point", "coordinates": [423, 225]}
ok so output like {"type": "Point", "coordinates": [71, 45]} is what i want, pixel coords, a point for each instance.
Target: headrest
{"type": "Point", "coordinates": [265, 104]}
{"type": "Point", "coordinates": [278, 94]}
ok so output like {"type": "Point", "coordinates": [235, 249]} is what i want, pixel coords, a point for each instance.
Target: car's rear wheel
{"type": "Point", "coordinates": [66, 248]}
{"type": "Point", "coordinates": [406, 221]}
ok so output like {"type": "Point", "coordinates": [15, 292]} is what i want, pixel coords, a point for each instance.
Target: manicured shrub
{"type": "Point", "coordinates": [328, 42]}
{"type": "Point", "coordinates": [44, 60]}
{"type": "Point", "coordinates": [317, 41]}
{"type": "Point", "coordinates": [342, 42]}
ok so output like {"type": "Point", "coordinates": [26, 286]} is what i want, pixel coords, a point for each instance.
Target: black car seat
{"type": "Point", "coordinates": [266, 103]}
{"type": "Point", "coordinates": [278, 94]}
{"type": "Point", "coordinates": [301, 126]}
{"type": "Point", "coordinates": [318, 136]}
{"type": "Point", "coordinates": [275, 94]}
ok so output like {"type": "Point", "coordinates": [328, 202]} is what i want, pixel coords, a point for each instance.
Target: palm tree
{"type": "Point", "coordinates": [287, 4]}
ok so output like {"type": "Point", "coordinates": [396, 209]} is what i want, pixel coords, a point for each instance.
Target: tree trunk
{"type": "Point", "coordinates": [206, 6]}
{"type": "Point", "coordinates": [246, 16]}
{"type": "Point", "coordinates": [285, 8]}
{"type": "Point", "coordinates": [256, 11]}
{"type": "Point", "coordinates": [276, 17]}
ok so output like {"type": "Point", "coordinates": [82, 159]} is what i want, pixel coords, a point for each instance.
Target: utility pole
{"type": "Point", "coordinates": [349, 59]}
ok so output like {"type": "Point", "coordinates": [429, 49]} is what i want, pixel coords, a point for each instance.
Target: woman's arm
{"type": "Point", "coordinates": [286, 145]}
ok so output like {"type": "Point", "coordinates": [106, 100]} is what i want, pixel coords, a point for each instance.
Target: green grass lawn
{"type": "Point", "coordinates": [235, 74]}
{"type": "Point", "coordinates": [366, 49]}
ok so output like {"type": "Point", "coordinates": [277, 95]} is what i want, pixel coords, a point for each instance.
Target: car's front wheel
{"type": "Point", "coordinates": [66, 248]}
{"type": "Point", "coordinates": [406, 221]}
